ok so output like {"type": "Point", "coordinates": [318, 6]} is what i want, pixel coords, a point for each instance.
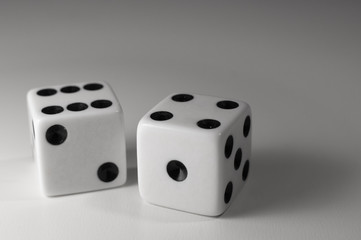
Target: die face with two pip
{"type": "Point", "coordinates": [78, 137]}
{"type": "Point", "coordinates": [194, 153]}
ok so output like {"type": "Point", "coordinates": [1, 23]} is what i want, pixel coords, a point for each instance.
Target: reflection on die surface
{"type": "Point", "coordinates": [78, 137]}
{"type": "Point", "coordinates": [194, 153]}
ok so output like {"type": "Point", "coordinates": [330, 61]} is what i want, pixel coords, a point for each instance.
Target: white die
{"type": "Point", "coordinates": [78, 137]}
{"type": "Point", "coordinates": [194, 153]}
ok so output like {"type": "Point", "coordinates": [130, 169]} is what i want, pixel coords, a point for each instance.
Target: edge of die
{"type": "Point", "coordinates": [217, 212]}
{"type": "Point", "coordinates": [29, 96]}
{"type": "Point", "coordinates": [214, 214]}
{"type": "Point", "coordinates": [115, 96]}
{"type": "Point", "coordinates": [55, 195]}
{"type": "Point", "coordinates": [79, 84]}
{"type": "Point", "coordinates": [169, 96]}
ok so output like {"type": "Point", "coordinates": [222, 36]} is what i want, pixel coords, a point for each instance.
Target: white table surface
{"type": "Point", "coordinates": [297, 64]}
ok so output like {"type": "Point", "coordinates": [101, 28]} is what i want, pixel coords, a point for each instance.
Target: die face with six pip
{"type": "Point", "coordinates": [78, 137]}
{"type": "Point", "coordinates": [194, 153]}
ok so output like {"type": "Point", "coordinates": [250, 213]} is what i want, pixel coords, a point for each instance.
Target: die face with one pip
{"type": "Point", "coordinates": [194, 153]}
{"type": "Point", "coordinates": [78, 137]}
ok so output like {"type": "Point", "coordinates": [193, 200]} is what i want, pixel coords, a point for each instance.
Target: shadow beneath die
{"type": "Point", "coordinates": [290, 180]}
{"type": "Point", "coordinates": [131, 158]}
{"type": "Point", "coordinates": [132, 174]}
{"type": "Point", "coordinates": [132, 177]}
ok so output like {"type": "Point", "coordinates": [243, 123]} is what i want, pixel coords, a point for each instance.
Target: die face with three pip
{"type": "Point", "coordinates": [194, 153]}
{"type": "Point", "coordinates": [78, 137]}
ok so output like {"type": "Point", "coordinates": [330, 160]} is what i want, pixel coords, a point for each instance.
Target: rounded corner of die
{"type": "Point", "coordinates": [217, 213]}
{"type": "Point", "coordinates": [142, 122]}
{"type": "Point", "coordinates": [107, 85]}
{"type": "Point", "coordinates": [118, 109]}
{"type": "Point", "coordinates": [123, 180]}
{"type": "Point", "coordinates": [47, 194]}
{"type": "Point", "coordinates": [172, 94]}
{"type": "Point", "coordinates": [213, 211]}
{"type": "Point", "coordinates": [47, 191]}
{"type": "Point", "coordinates": [248, 107]}
{"type": "Point", "coordinates": [30, 94]}
{"type": "Point", "coordinates": [139, 129]}
{"type": "Point", "coordinates": [142, 194]}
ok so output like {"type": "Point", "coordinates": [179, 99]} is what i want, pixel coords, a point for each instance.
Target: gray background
{"type": "Point", "coordinates": [296, 63]}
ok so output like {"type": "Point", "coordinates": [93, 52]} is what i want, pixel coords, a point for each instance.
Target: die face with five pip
{"type": "Point", "coordinates": [78, 138]}
{"type": "Point", "coordinates": [194, 153]}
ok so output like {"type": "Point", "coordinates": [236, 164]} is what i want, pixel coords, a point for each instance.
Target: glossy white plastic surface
{"type": "Point", "coordinates": [94, 136]}
{"type": "Point", "coordinates": [202, 151]}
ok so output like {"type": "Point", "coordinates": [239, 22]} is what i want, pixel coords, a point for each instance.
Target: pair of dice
{"type": "Point", "coordinates": [193, 150]}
